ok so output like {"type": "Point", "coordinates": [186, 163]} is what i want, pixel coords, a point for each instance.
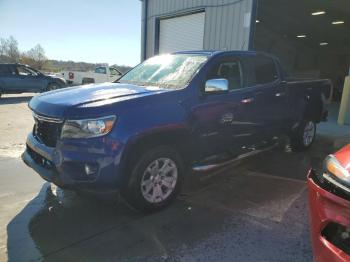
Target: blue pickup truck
{"type": "Point", "coordinates": [193, 110]}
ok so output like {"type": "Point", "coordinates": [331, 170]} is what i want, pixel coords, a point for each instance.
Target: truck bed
{"type": "Point", "coordinates": [316, 95]}
{"type": "Point", "coordinates": [325, 85]}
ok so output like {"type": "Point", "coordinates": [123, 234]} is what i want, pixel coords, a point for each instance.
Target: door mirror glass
{"type": "Point", "coordinates": [216, 85]}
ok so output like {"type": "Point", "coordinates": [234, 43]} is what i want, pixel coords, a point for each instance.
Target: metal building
{"type": "Point", "coordinates": [173, 25]}
{"type": "Point", "coordinates": [311, 37]}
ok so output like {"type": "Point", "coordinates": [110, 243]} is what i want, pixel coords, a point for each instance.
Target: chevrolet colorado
{"type": "Point", "coordinates": [199, 109]}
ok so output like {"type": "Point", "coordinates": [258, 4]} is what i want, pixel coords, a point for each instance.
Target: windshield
{"type": "Point", "coordinates": [166, 71]}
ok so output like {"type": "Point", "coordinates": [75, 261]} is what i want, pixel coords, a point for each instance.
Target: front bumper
{"type": "Point", "coordinates": [329, 214]}
{"type": "Point", "coordinates": [49, 175]}
{"type": "Point", "coordinates": [66, 164]}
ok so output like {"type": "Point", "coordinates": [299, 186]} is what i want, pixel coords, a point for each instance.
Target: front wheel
{"type": "Point", "coordinates": [155, 180]}
{"type": "Point", "coordinates": [52, 86]}
{"type": "Point", "coordinates": [303, 137]}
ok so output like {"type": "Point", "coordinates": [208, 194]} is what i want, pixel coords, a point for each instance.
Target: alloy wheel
{"type": "Point", "coordinates": [159, 180]}
{"type": "Point", "coordinates": [309, 133]}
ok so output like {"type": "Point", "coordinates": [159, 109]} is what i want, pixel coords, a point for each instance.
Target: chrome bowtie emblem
{"type": "Point", "coordinates": [226, 118]}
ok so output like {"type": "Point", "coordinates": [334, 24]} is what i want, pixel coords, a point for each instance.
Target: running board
{"type": "Point", "coordinates": [210, 167]}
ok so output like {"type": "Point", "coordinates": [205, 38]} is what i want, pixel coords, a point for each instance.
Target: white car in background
{"type": "Point", "coordinates": [101, 74]}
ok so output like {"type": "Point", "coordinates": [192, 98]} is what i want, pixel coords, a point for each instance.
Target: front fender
{"type": "Point", "coordinates": [177, 136]}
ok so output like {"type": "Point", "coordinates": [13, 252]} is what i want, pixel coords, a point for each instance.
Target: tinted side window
{"type": "Point", "coordinates": [229, 69]}
{"type": "Point", "coordinates": [5, 70]}
{"type": "Point", "coordinates": [22, 71]}
{"type": "Point", "coordinates": [100, 70]}
{"type": "Point", "coordinates": [259, 70]}
{"type": "Point", "coordinates": [265, 70]}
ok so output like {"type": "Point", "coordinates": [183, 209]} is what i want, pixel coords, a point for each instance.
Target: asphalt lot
{"type": "Point", "coordinates": [253, 211]}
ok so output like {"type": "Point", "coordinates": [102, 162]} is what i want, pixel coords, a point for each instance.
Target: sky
{"type": "Point", "coordinates": [105, 31]}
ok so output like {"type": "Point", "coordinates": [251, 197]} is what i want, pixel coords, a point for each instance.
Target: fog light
{"type": "Point", "coordinates": [90, 169]}
{"type": "Point", "coordinates": [338, 235]}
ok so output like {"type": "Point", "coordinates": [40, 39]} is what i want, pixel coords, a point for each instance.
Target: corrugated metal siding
{"type": "Point", "coordinates": [189, 27]}
{"type": "Point", "coordinates": [224, 21]}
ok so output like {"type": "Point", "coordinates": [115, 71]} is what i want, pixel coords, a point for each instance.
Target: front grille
{"type": "Point", "coordinates": [40, 160]}
{"type": "Point", "coordinates": [47, 130]}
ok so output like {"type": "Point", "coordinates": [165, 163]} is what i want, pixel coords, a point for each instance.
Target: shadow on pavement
{"type": "Point", "coordinates": [255, 212]}
{"type": "Point", "coordinates": [226, 222]}
{"type": "Point", "coordinates": [14, 100]}
{"type": "Point", "coordinates": [68, 227]}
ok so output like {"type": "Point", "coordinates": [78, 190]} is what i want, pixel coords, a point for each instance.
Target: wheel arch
{"type": "Point", "coordinates": [315, 108]}
{"type": "Point", "coordinates": [87, 80]}
{"type": "Point", "coordinates": [178, 139]}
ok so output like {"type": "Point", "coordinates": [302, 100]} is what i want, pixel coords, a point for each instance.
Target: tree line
{"type": "Point", "coordinates": [36, 58]}
{"type": "Point", "coordinates": [9, 53]}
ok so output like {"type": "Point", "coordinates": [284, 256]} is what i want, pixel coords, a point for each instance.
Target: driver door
{"type": "Point", "coordinates": [28, 80]}
{"type": "Point", "coordinates": [225, 121]}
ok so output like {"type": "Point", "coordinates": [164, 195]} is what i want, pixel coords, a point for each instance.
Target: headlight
{"type": "Point", "coordinates": [334, 168]}
{"type": "Point", "coordinates": [87, 128]}
{"type": "Point", "coordinates": [63, 80]}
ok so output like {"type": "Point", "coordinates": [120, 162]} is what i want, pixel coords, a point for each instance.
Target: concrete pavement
{"type": "Point", "coordinates": [253, 211]}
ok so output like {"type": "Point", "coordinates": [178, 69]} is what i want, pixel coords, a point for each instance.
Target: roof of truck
{"type": "Point", "coordinates": [216, 52]}
{"type": "Point", "coordinates": [13, 64]}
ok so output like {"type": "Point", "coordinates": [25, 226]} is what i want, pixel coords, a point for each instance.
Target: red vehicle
{"type": "Point", "coordinates": [329, 198]}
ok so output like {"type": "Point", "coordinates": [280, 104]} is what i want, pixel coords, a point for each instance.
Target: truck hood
{"type": "Point", "coordinates": [55, 103]}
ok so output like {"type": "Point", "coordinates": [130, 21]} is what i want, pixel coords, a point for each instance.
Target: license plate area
{"type": "Point", "coordinates": [39, 159]}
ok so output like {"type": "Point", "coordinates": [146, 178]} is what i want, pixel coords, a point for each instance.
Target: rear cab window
{"type": "Point", "coordinates": [6, 70]}
{"type": "Point", "coordinates": [101, 70]}
{"type": "Point", "coordinates": [259, 70]}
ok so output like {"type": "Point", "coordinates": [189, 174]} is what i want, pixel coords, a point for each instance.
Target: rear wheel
{"type": "Point", "coordinates": [86, 81]}
{"type": "Point", "coordinates": [155, 180]}
{"type": "Point", "coordinates": [303, 137]}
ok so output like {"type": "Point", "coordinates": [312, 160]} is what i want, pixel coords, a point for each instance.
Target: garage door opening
{"type": "Point", "coordinates": [312, 38]}
{"type": "Point", "coordinates": [181, 33]}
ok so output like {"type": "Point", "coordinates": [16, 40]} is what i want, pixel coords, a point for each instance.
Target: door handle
{"type": "Point", "coordinates": [247, 100]}
{"type": "Point", "coordinates": [280, 94]}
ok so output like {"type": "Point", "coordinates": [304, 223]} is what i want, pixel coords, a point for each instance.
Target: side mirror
{"type": "Point", "coordinates": [216, 85]}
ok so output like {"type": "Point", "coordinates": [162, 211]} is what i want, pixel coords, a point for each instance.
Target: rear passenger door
{"type": "Point", "coordinates": [7, 78]}
{"type": "Point", "coordinates": [269, 99]}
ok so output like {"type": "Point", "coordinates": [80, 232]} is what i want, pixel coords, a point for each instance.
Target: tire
{"type": "Point", "coordinates": [303, 137]}
{"type": "Point", "coordinates": [52, 86]}
{"type": "Point", "coordinates": [86, 81]}
{"type": "Point", "coordinates": [148, 189]}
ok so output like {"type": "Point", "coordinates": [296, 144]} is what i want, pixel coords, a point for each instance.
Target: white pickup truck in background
{"type": "Point", "coordinates": [100, 75]}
